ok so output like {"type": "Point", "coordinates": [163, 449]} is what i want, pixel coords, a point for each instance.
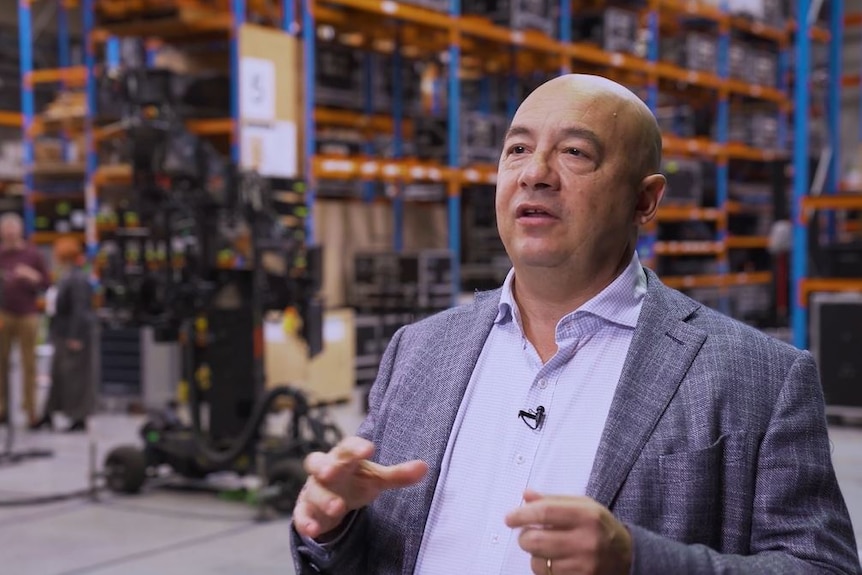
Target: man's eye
{"type": "Point", "coordinates": [517, 149]}
{"type": "Point", "coordinates": [574, 152]}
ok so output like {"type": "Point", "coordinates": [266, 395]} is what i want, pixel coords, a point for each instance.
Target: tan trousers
{"type": "Point", "coordinates": [24, 330]}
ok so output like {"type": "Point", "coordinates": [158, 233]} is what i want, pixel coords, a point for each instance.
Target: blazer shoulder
{"type": "Point", "coordinates": [484, 304]}
{"type": "Point", "coordinates": [722, 334]}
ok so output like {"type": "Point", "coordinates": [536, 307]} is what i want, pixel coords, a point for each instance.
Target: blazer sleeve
{"type": "Point", "coordinates": [800, 522]}
{"type": "Point", "coordinates": [347, 555]}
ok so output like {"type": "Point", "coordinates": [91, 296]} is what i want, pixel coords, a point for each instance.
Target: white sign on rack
{"type": "Point", "coordinates": [270, 149]}
{"type": "Point", "coordinates": [257, 89]}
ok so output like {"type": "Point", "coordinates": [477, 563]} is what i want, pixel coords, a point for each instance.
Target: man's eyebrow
{"type": "Point", "coordinates": [517, 131]}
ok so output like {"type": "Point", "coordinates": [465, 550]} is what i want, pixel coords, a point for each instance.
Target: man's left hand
{"type": "Point", "coordinates": [27, 272]}
{"type": "Point", "coordinates": [578, 535]}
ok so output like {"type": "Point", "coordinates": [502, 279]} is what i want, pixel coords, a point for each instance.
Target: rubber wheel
{"type": "Point", "coordinates": [289, 476]}
{"type": "Point", "coordinates": [125, 469]}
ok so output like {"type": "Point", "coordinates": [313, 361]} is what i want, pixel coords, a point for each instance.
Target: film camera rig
{"type": "Point", "coordinates": [207, 254]}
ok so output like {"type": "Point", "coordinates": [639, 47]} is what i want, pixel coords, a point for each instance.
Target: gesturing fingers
{"type": "Point", "coordinates": [577, 533]}
{"type": "Point", "coordinates": [317, 510]}
{"type": "Point", "coordinates": [341, 459]}
{"type": "Point", "coordinates": [555, 513]}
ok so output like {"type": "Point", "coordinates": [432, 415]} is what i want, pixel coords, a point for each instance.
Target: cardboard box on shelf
{"type": "Point", "coordinates": [327, 377]}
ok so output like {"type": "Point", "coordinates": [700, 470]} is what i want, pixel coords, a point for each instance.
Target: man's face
{"type": "Point", "coordinates": [565, 192]}
{"type": "Point", "coordinates": [10, 232]}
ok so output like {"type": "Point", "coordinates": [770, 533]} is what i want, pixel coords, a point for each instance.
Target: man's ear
{"type": "Point", "coordinates": [650, 193]}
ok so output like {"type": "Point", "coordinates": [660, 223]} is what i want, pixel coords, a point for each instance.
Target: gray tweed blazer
{"type": "Point", "coordinates": [715, 452]}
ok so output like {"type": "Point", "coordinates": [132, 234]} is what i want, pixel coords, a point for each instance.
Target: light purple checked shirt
{"type": "Point", "coordinates": [493, 456]}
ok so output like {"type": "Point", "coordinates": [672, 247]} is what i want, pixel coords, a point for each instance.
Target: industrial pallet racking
{"type": "Point", "coordinates": [835, 196]}
{"type": "Point", "coordinates": [461, 39]}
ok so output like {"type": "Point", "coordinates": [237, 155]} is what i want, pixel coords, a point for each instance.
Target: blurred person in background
{"type": "Point", "coordinates": [72, 389]}
{"type": "Point", "coordinates": [24, 278]}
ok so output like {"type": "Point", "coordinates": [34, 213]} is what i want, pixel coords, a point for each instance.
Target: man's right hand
{"type": "Point", "coordinates": [343, 480]}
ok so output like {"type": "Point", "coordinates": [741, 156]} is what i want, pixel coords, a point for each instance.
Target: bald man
{"type": "Point", "coordinates": [583, 418]}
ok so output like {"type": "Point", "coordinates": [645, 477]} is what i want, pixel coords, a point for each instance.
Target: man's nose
{"type": "Point", "coordinates": [539, 173]}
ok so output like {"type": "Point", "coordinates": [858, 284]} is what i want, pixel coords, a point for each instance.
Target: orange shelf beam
{"type": "Point", "coordinates": [809, 285]}
{"type": "Point", "coordinates": [695, 77]}
{"type": "Point", "coordinates": [484, 174]}
{"type": "Point", "coordinates": [694, 8]}
{"type": "Point", "coordinates": [682, 213]}
{"type": "Point", "coordinates": [854, 19]}
{"type": "Point", "coordinates": [834, 202]}
{"type": "Point", "coordinates": [743, 152]}
{"type": "Point", "coordinates": [189, 21]}
{"type": "Point", "coordinates": [346, 118]}
{"type": "Point", "coordinates": [56, 196]}
{"type": "Point", "coordinates": [340, 168]}
{"type": "Point", "coordinates": [672, 145]}
{"type": "Point", "coordinates": [747, 279]}
{"type": "Point", "coordinates": [683, 248]}
{"type": "Point", "coordinates": [210, 127]}
{"type": "Point", "coordinates": [818, 33]}
{"type": "Point", "coordinates": [717, 280]}
{"type": "Point", "coordinates": [75, 75]}
{"type": "Point", "coordinates": [747, 242]}
{"type": "Point", "coordinates": [756, 91]}
{"type": "Point", "coordinates": [10, 119]}
{"type": "Point", "coordinates": [391, 9]}
{"type": "Point", "coordinates": [850, 81]}
{"type": "Point", "coordinates": [43, 238]}
{"type": "Point", "coordinates": [480, 27]}
{"type": "Point", "coordinates": [113, 174]}
{"type": "Point", "coordinates": [758, 28]}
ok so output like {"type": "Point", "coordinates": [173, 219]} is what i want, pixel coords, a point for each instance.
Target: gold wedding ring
{"type": "Point", "coordinates": [549, 565]}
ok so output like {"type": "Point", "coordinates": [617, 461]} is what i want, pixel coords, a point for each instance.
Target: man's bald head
{"type": "Point", "coordinates": [639, 127]}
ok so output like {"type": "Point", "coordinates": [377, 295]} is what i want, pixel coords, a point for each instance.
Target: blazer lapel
{"type": "Point", "coordinates": [662, 349]}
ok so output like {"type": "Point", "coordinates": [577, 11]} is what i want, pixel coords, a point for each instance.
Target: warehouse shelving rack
{"type": "Point", "coordinates": [831, 199]}
{"type": "Point", "coordinates": [466, 35]}
{"type": "Point", "coordinates": [465, 31]}
{"type": "Point", "coordinates": [34, 125]}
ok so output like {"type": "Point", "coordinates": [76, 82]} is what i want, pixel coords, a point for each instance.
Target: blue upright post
{"type": "Point", "coordinates": [833, 105]}
{"type": "Point", "coordinates": [90, 196]}
{"type": "Point", "coordinates": [309, 38]}
{"type": "Point", "coordinates": [454, 204]}
{"type": "Point", "coordinates": [62, 35]}
{"type": "Point", "coordinates": [288, 22]}
{"type": "Point", "coordinates": [397, 142]}
{"type": "Point", "coordinates": [722, 172]}
{"type": "Point", "coordinates": [113, 58]}
{"type": "Point", "coordinates": [369, 61]}
{"type": "Point", "coordinates": [801, 109]}
{"type": "Point", "coordinates": [63, 63]}
{"type": "Point", "coordinates": [565, 32]}
{"type": "Point", "coordinates": [25, 52]}
{"type": "Point", "coordinates": [512, 86]}
{"type": "Point", "coordinates": [237, 20]}
{"type": "Point", "coordinates": [652, 56]}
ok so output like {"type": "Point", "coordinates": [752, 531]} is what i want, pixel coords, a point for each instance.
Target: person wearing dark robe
{"type": "Point", "coordinates": [72, 387]}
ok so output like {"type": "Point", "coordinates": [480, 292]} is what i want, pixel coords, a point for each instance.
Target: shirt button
{"type": "Point", "coordinates": [495, 539]}
{"type": "Point", "coordinates": [543, 383]}
{"type": "Point", "coordinates": [519, 459]}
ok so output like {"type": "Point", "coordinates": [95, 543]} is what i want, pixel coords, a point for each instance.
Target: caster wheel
{"type": "Point", "coordinates": [125, 469]}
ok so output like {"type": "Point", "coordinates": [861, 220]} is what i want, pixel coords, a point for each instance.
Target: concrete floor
{"type": "Point", "coordinates": [169, 533]}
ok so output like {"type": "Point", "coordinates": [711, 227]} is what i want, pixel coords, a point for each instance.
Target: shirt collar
{"type": "Point", "coordinates": [620, 302]}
